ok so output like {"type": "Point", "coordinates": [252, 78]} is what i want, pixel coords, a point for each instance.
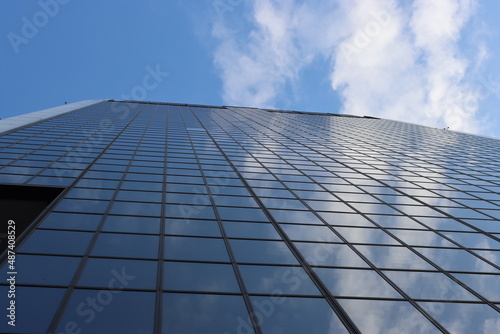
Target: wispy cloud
{"type": "Point", "coordinates": [254, 69]}
{"type": "Point", "coordinates": [390, 59]}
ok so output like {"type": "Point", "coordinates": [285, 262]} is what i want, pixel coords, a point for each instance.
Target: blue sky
{"type": "Point", "coordinates": [423, 61]}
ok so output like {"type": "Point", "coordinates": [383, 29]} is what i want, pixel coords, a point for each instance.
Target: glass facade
{"type": "Point", "coordinates": [201, 219]}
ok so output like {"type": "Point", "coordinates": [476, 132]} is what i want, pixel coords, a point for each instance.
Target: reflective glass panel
{"type": "Point", "coordinates": [185, 313]}
{"type": "Point", "coordinates": [486, 285]}
{"type": "Point", "coordinates": [132, 224]}
{"type": "Point", "coordinates": [329, 206]}
{"type": "Point", "coordinates": [247, 214]}
{"type": "Point", "coordinates": [310, 233]}
{"type": "Point", "coordinates": [473, 240]}
{"type": "Point", "coordinates": [56, 242]}
{"type": "Point", "coordinates": [395, 221]}
{"type": "Point", "coordinates": [136, 209]}
{"type": "Point", "coordinates": [422, 238]}
{"type": "Point", "coordinates": [347, 219]}
{"type": "Point", "coordinates": [277, 280]}
{"type": "Point", "coordinates": [104, 311]}
{"type": "Point", "coordinates": [383, 316]}
{"type": "Point", "coordinates": [208, 228]}
{"type": "Point", "coordinates": [139, 196]}
{"type": "Point", "coordinates": [279, 314]}
{"type": "Point", "coordinates": [251, 230]}
{"type": "Point", "coordinates": [43, 270]}
{"type": "Point", "coordinates": [393, 257]}
{"type": "Point", "coordinates": [464, 318]}
{"type": "Point", "coordinates": [295, 217]}
{"type": "Point", "coordinates": [208, 277]}
{"type": "Point", "coordinates": [366, 235]}
{"type": "Point", "coordinates": [119, 274]}
{"type": "Point", "coordinates": [356, 283]}
{"type": "Point", "coordinates": [196, 249]}
{"type": "Point", "coordinates": [259, 251]}
{"type": "Point", "coordinates": [71, 221]}
{"type": "Point", "coordinates": [456, 260]}
{"type": "Point", "coordinates": [189, 211]}
{"type": "Point", "coordinates": [35, 308]}
{"type": "Point", "coordinates": [80, 205]}
{"type": "Point", "coordinates": [126, 245]}
{"type": "Point", "coordinates": [329, 255]}
{"type": "Point", "coordinates": [429, 285]}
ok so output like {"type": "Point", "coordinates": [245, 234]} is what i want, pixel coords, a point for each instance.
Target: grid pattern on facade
{"type": "Point", "coordinates": [182, 219]}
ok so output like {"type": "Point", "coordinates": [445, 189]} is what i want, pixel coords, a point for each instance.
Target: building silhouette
{"type": "Point", "coordinates": [144, 217]}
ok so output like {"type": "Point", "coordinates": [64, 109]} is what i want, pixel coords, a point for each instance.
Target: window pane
{"type": "Point", "coordinates": [359, 283]}
{"type": "Point", "coordinates": [487, 285]}
{"type": "Point", "coordinates": [195, 199]}
{"type": "Point", "coordinates": [135, 185]}
{"type": "Point", "coordinates": [396, 221]}
{"type": "Point", "coordinates": [207, 277]}
{"type": "Point", "coordinates": [329, 206]}
{"type": "Point", "coordinates": [196, 249]}
{"type": "Point", "coordinates": [393, 257]}
{"type": "Point", "coordinates": [422, 238]}
{"type": "Point", "coordinates": [43, 270]}
{"type": "Point", "coordinates": [139, 196]}
{"type": "Point", "coordinates": [456, 259]}
{"type": "Point", "coordinates": [348, 219]}
{"type": "Point", "coordinates": [205, 228]}
{"type": "Point", "coordinates": [57, 242]}
{"type": "Point", "coordinates": [422, 285]}
{"type": "Point", "coordinates": [296, 315]}
{"type": "Point", "coordinates": [126, 245]}
{"type": "Point", "coordinates": [238, 201]}
{"type": "Point", "coordinates": [204, 313]}
{"type": "Point", "coordinates": [379, 316]}
{"type": "Point", "coordinates": [132, 224]}
{"type": "Point", "coordinates": [80, 205]}
{"type": "Point", "coordinates": [310, 233]}
{"type": "Point", "coordinates": [89, 193]}
{"type": "Point", "coordinates": [295, 217]}
{"type": "Point", "coordinates": [119, 274]}
{"type": "Point", "coordinates": [251, 230]}
{"type": "Point", "coordinates": [280, 203]}
{"type": "Point", "coordinates": [277, 280]}
{"type": "Point", "coordinates": [248, 214]}
{"type": "Point", "coordinates": [464, 318]}
{"type": "Point", "coordinates": [35, 308]}
{"type": "Point", "coordinates": [103, 311]}
{"type": "Point", "coordinates": [221, 190]}
{"type": "Point", "coordinates": [136, 209]}
{"type": "Point", "coordinates": [258, 251]}
{"type": "Point", "coordinates": [189, 211]}
{"type": "Point", "coordinates": [366, 235]}
{"type": "Point", "coordinates": [281, 193]}
{"type": "Point", "coordinates": [71, 221]}
{"type": "Point", "coordinates": [473, 240]}
{"type": "Point", "coordinates": [329, 255]}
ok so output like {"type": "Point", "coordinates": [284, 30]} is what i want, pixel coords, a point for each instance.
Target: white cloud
{"type": "Point", "coordinates": [254, 70]}
{"type": "Point", "coordinates": [388, 59]}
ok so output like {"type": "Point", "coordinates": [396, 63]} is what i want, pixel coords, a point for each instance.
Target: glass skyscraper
{"type": "Point", "coordinates": [143, 217]}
